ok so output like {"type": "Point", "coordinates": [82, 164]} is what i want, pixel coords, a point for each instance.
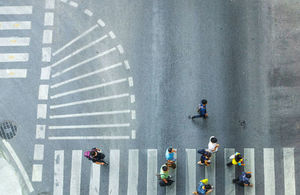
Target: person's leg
{"type": "Point", "coordinates": [230, 163]}
{"type": "Point", "coordinates": [196, 116]}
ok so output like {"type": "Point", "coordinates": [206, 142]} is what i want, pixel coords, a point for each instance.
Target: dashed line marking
{"type": "Point", "coordinates": [133, 134]}
{"type": "Point", "coordinates": [112, 34]}
{"type": "Point", "coordinates": [133, 115]}
{"type": "Point", "coordinates": [14, 57]}
{"type": "Point", "coordinates": [82, 62]}
{"type": "Point", "coordinates": [75, 39]}
{"type": "Point", "coordinates": [49, 18]}
{"type": "Point", "coordinates": [90, 114]}
{"type": "Point", "coordinates": [88, 137]}
{"type": "Point", "coordinates": [64, 1]}
{"type": "Point", "coordinates": [88, 88]}
{"type": "Point", "coordinates": [46, 54]}
{"type": "Point", "coordinates": [86, 75]}
{"type": "Point", "coordinates": [37, 172]}
{"type": "Point", "coordinates": [90, 101]}
{"type": "Point", "coordinates": [120, 48]}
{"type": "Point", "coordinates": [43, 92]}
{"type": "Point", "coordinates": [73, 4]}
{"type": "Point", "coordinates": [88, 12]}
{"type": "Point", "coordinates": [45, 73]}
{"type": "Point", "coordinates": [41, 111]}
{"type": "Point", "coordinates": [89, 126]}
{"type": "Point", "coordinates": [47, 37]}
{"type": "Point", "coordinates": [13, 73]}
{"type": "Point", "coordinates": [101, 23]}
{"type": "Point", "coordinates": [15, 25]}
{"type": "Point", "coordinates": [50, 4]}
{"type": "Point", "coordinates": [14, 41]}
{"type": "Point", "coordinates": [126, 63]}
{"type": "Point", "coordinates": [79, 50]}
{"type": "Point", "coordinates": [130, 81]}
{"type": "Point", "coordinates": [132, 98]}
{"type": "Point", "coordinates": [38, 152]}
{"type": "Point", "coordinates": [15, 10]}
{"type": "Point", "coordinates": [40, 131]}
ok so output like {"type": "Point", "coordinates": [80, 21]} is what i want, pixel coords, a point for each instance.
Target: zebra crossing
{"type": "Point", "coordinates": [186, 164]}
{"type": "Point", "coordinates": [7, 29]}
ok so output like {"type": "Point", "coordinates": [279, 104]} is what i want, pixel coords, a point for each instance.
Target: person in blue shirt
{"type": "Point", "coordinates": [201, 110]}
{"type": "Point", "coordinates": [243, 180]}
{"type": "Point", "coordinates": [204, 188]}
{"type": "Point", "coordinates": [171, 157]}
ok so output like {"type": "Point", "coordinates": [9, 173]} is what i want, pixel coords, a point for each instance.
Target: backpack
{"type": "Point", "coordinates": [87, 154]}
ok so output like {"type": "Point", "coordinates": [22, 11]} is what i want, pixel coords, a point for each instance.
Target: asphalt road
{"type": "Point", "coordinates": [239, 55]}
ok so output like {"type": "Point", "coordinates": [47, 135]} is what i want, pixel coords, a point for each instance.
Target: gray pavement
{"type": "Point", "coordinates": [239, 55]}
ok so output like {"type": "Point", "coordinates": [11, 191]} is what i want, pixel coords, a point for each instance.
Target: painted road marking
{"type": "Point", "coordinates": [90, 114]}
{"type": "Point", "coordinates": [88, 12]}
{"type": "Point", "coordinates": [210, 173]}
{"type": "Point", "coordinates": [250, 166]}
{"type": "Point", "coordinates": [114, 166]}
{"type": "Point", "coordinates": [112, 34]}
{"type": "Point", "coordinates": [289, 171]}
{"type": "Point", "coordinates": [82, 62]}
{"type": "Point", "coordinates": [229, 172]}
{"type": "Point", "coordinates": [38, 152]}
{"type": "Point", "coordinates": [190, 171]}
{"type": "Point", "coordinates": [37, 172]}
{"type": "Point", "coordinates": [130, 81]}
{"type": "Point", "coordinates": [133, 134]}
{"type": "Point", "coordinates": [86, 75]}
{"type": "Point", "coordinates": [40, 131]}
{"type": "Point", "coordinates": [20, 166]}
{"type": "Point", "coordinates": [133, 115]}
{"type": "Point", "coordinates": [79, 50]}
{"type": "Point", "coordinates": [269, 171]}
{"type": "Point", "coordinates": [15, 10]}
{"type": "Point", "coordinates": [43, 92]}
{"type": "Point", "coordinates": [49, 19]}
{"type": "Point", "coordinates": [88, 88]}
{"type": "Point", "coordinates": [73, 4]}
{"type": "Point", "coordinates": [94, 188]}
{"type": "Point", "coordinates": [133, 172]}
{"type": "Point", "coordinates": [90, 101]}
{"type": "Point", "coordinates": [151, 171]}
{"type": "Point", "coordinates": [42, 111]}
{"type": "Point", "coordinates": [89, 126]}
{"type": "Point", "coordinates": [13, 73]}
{"type": "Point", "coordinates": [75, 39]}
{"type": "Point", "coordinates": [101, 23]}
{"type": "Point", "coordinates": [14, 57]}
{"type": "Point", "coordinates": [45, 73]}
{"type": "Point", "coordinates": [126, 65]}
{"type": "Point", "coordinates": [47, 37]}
{"type": "Point", "coordinates": [14, 41]}
{"type": "Point", "coordinates": [132, 98]}
{"type": "Point", "coordinates": [50, 4]}
{"type": "Point", "coordinates": [76, 172]}
{"type": "Point", "coordinates": [46, 54]}
{"type": "Point", "coordinates": [88, 137]}
{"type": "Point", "coordinates": [15, 25]}
{"type": "Point", "coordinates": [58, 184]}
{"type": "Point", "coordinates": [64, 1]}
{"type": "Point", "coordinates": [120, 48]}
{"type": "Point", "coordinates": [171, 190]}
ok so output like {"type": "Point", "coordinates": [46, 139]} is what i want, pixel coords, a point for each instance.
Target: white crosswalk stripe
{"type": "Point", "coordinates": [151, 169]}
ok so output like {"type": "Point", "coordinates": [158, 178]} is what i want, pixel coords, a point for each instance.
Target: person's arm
{"type": "Point", "coordinates": [99, 163]}
{"type": "Point", "coordinates": [165, 180]}
{"type": "Point", "coordinates": [209, 191]}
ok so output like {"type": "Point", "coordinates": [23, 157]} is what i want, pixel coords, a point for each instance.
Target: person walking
{"type": "Point", "coordinates": [205, 157]}
{"type": "Point", "coordinates": [243, 179]}
{"type": "Point", "coordinates": [165, 176]}
{"type": "Point", "coordinates": [212, 144]}
{"type": "Point", "coordinates": [201, 110]}
{"type": "Point", "coordinates": [203, 188]}
{"type": "Point", "coordinates": [96, 156]}
{"type": "Point", "coordinates": [236, 159]}
{"type": "Point", "coordinates": [171, 157]}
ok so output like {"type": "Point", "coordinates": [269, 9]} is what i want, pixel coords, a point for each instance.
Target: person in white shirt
{"type": "Point", "coordinates": [212, 145]}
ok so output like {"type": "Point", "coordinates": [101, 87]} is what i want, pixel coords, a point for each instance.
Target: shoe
{"type": "Point", "coordinates": [190, 117]}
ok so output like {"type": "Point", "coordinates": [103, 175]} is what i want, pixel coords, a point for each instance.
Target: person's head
{"type": "Point", "coordinates": [204, 101]}
{"type": "Point", "coordinates": [238, 157]}
{"type": "Point", "coordinates": [248, 175]}
{"type": "Point", "coordinates": [208, 187]}
{"type": "Point", "coordinates": [93, 154]}
{"type": "Point", "coordinates": [170, 149]}
{"type": "Point", "coordinates": [214, 140]}
{"type": "Point", "coordinates": [165, 168]}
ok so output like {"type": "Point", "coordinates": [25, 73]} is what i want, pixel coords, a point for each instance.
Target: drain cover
{"type": "Point", "coordinates": [8, 129]}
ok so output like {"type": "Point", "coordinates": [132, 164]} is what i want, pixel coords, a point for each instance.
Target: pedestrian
{"type": "Point", "coordinates": [205, 157]}
{"type": "Point", "coordinates": [171, 157]}
{"type": "Point", "coordinates": [165, 176]}
{"type": "Point", "coordinates": [201, 110]}
{"type": "Point", "coordinates": [203, 188]}
{"type": "Point", "coordinates": [243, 180]}
{"type": "Point", "coordinates": [96, 156]}
{"type": "Point", "coordinates": [236, 159]}
{"type": "Point", "coordinates": [212, 144]}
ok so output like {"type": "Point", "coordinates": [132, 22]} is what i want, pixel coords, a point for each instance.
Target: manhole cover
{"type": "Point", "coordinates": [8, 129]}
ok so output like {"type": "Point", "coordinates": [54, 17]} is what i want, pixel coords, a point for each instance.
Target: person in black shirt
{"type": "Point", "coordinates": [97, 157]}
